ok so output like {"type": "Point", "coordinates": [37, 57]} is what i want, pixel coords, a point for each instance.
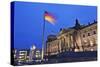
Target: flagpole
{"type": "Point", "coordinates": [43, 41]}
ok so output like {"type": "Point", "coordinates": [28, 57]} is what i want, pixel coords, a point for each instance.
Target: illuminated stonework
{"type": "Point", "coordinates": [77, 38]}
{"type": "Point", "coordinates": [22, 56]}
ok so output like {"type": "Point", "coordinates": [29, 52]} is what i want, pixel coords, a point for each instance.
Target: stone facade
{"type": "Point", "coordinates": [77, 38]}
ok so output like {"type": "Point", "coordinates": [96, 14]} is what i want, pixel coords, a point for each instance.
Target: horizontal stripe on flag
{"type": "Point", "coordinates": [49, 17]}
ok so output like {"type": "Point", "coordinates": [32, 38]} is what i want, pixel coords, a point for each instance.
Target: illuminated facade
{"type": "Point", "coordinates": [32, 53]}
{"type": "Point", "coordinates": [89, 37]}
{"type": "Point", "coordinates": [27, 55]}
{"type": "Point", "coordinates": [22, 56]}
{"type": "Point", "coordinates": [77, 38]}
{"type": "Point", "coordinates": [15, 55]}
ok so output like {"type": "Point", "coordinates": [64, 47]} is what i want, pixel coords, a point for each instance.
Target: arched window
{"type": "Point", "coordinates": [88, 34]}
{"type": "Point", "coordinates": [94, 32]}
{"type": "Point", "coordinates": [83, 35]}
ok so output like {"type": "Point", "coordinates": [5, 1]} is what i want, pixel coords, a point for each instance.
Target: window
{"type": "Point", "coordinates": [94, 32]}
{"type": "Point", "coordinates": [88, 34]}
{"type": "Point", "coordinates": [83, 35]}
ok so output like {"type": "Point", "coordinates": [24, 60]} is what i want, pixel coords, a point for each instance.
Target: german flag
{"type": "Point", "coordinates": [49, 17]}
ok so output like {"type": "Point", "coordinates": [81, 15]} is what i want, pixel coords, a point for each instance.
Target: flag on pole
{"type": "Point", "coordinates": [49, 17]}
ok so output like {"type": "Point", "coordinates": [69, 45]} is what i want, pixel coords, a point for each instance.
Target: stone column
{"type": "Point", "coordinates": [79, 41]}
{"type": "Point", "coordinates": [60, 45]}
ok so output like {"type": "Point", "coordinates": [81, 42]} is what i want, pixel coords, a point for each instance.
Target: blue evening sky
{"type": "Point", "coordinates": [29, 19]}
